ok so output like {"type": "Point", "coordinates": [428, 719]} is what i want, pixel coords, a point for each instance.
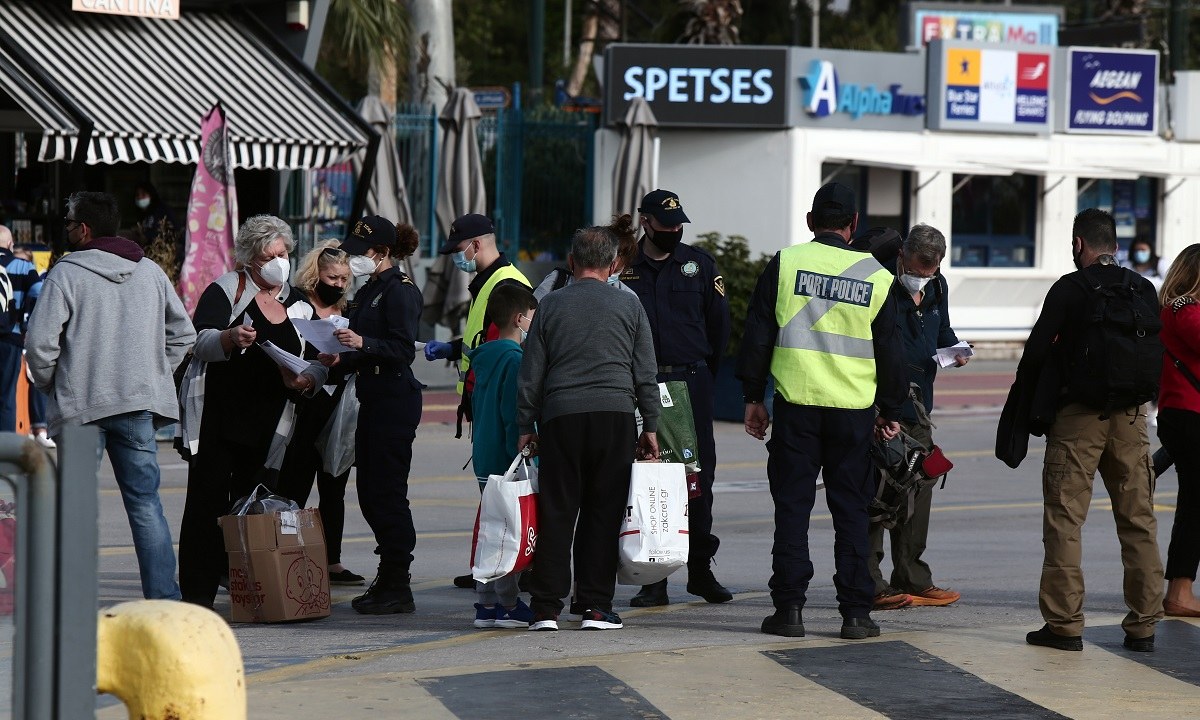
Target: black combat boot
{"type": "Point", "coordinates": [702, 582]}
{"type": "Point", "coordinates": [388, 594]}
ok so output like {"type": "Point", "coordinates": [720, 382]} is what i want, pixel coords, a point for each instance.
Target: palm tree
{"type": "Point", "coordinates": [601, 24]}
{"type": "Point", "coordinates": [370, 35]}
{"type": "Point", "coordinates": [713, 22]}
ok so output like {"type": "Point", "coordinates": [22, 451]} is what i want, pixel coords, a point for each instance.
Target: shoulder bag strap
{"type": "Point", "coordinates": [1183, 370]}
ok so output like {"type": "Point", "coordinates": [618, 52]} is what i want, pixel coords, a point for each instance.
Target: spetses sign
{"type": "Point", "coordinates": [689, 86]}
{"type": "Point", "coordinates": [989, 89]}
{"type": "Point", "coordinates": [1110, 91]}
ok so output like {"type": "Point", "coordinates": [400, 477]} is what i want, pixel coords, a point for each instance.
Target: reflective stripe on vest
{"type": "Point", "coordinates": [475, 316]}
{"type": "Point", "coordinates": [827, 299]}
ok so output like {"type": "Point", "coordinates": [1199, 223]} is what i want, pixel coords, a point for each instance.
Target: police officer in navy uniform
{"type": "Point", "coordinates": [821, 324]}
{"type": "Point", "coordinates": [684, 297]}
{"type": "Point", "coordinates": [380, 348]}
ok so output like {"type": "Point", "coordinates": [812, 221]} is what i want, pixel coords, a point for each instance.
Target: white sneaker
{"type": "Point", "coordinates": [44, 440]}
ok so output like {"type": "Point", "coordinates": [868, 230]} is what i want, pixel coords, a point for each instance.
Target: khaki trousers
{"type": "Point", "coordinates": [1077, 445]}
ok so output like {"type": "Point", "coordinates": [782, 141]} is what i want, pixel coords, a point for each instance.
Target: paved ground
{"type": "Point", "coordinates": [692, 660]}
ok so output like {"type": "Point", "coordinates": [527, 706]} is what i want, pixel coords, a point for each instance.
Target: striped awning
{"type": "Point", "coordinates": [145, 84]}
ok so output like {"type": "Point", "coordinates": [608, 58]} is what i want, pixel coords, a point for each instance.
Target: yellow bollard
{"type": "Point", "coordinates": [170, 660]}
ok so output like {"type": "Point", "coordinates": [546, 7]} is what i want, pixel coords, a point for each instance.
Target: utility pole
{"type": "Point", "coordinates": [1178, 29]}
{"type": "Point", "coordinates": [815, 6]}
{"type": "Point", "coordinates": [537, 39]}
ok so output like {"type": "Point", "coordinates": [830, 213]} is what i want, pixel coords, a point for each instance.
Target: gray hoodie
{"type": "Point", "coordinates": [104, 338]}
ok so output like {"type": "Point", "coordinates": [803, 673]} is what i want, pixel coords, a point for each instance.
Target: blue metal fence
{"type": "Point", "coordinates": [537, 172]}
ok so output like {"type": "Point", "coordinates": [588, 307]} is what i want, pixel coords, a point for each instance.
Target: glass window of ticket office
{"type": "Point", "coordinates": [883, 193]}
{"type": "Point", "coordinates": [993, 221]}
{"type": "Point", "coordinates": [1133, 204]}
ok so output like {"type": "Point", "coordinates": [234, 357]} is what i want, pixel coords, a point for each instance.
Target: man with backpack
{"type": "Point", "coordinates": [1098, 333]}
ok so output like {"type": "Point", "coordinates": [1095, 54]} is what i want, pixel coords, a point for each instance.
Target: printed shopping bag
{"type": "Point", "coordinates": [677, 441]}
{"type": "Point", "coordinates": [654, 537]}
{"type": "Point", "coordinates": [506, 525]}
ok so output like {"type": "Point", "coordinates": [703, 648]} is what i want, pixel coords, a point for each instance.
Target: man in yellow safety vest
{"type": "Point", "coordinates": [821, 324]}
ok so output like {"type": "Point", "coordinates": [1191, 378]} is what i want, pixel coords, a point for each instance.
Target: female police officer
{"type": "Point", "coordinates": [383, 323]}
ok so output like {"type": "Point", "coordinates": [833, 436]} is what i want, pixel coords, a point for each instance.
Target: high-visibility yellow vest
{"type": "Point", "coordinates": [828, 297]}
{"type": "Point", "coordinates": [475, 316]}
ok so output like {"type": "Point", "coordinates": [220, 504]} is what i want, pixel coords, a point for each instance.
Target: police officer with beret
{"type": "Point", "coordinates": [820, 322]}
{"type": "Point", "coordinates": [380, 348]}
{"type": "Point", "coordinates": [684, 297]}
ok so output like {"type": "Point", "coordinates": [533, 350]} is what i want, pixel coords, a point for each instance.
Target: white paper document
{"type": "Point", "coordinates": [320, 333]}
{"type": "Point", "coordinates": [283, 358]}
{"type": "Point", "coordinates": [945, 356]}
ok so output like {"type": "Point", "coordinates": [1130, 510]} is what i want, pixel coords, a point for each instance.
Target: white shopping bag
{"type": "Point", "coordinates": [654, 537]}
{"type": "Point", "coordinates": [506, 526]}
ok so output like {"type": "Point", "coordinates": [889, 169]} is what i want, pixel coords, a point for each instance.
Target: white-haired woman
{"type": "Point", "coordinates": [244, 398]}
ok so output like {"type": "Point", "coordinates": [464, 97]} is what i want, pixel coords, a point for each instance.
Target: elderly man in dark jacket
{"type": "Point", "coordinates": [923, 324]}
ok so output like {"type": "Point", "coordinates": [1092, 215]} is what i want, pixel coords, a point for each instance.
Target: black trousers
{"type": "Point", "coordinates": [583, 487]}
{"type": "Point", "coordinates": [1179, 431]}
{"type": "Point", "coordinates": [301, 465]}
{"type": "Point", "coordinates": [702, 544]}
{"type": "Point", "coordinates": [221, 473]}
{"type": "Point", "coordinates": [387, 426]}
{"type": "Point", "coordinates": [807, 441]}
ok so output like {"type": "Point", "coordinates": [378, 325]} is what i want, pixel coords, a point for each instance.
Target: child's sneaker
{"type": "Point", "coordinates": [542, 621]}
{"type": "Point", "coordinates": [519, 617]}
{"type": "Point", "coordinates": [576, 612]}
{"type": "Point", "coordinates": [601, 620]}
{"type": "Point", "coordinates": [485, 617]}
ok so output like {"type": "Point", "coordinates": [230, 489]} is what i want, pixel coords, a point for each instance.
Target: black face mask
{"type": "Point", "coordinates": [1077, 257]}
{"type": "Point", "coordinates": [665, 240]}
{"type": "Point", "coordinates": [329, 294]}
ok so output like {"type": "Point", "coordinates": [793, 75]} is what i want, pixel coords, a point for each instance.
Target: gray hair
{"type": "Point", "coordinates": [925, 244]}
{"type": "Point", "coordinates": [257, 233]}
{"type": "Point", "coordinates": [593, 248]}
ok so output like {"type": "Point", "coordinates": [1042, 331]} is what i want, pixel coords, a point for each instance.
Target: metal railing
{"type": "Point", "coordinates": [537, 167]}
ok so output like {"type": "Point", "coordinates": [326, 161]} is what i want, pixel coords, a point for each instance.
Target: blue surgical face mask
{"type": "Point", "coordinates": [524, 332]}
{"type": "Point", "coordinates": [613, 279]}
{"type": "Point", "coordinates": [462, 263]}
{"type": "Point", "coordinates": [1141, 256]}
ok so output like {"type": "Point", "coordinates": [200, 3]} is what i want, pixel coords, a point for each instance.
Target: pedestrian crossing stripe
{"type": "Point", "coordinates": [957, 672]}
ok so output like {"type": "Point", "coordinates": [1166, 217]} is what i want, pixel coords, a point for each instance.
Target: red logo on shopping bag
{"type": "Point", "coordinates": [528, 533]}
{"type": "Point", "coordinates": [693, 484]}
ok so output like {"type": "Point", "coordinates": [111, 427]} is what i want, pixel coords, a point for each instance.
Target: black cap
{"type": "Point", "coordinates": [834, 197]}
{"type": "Point", "coordinates": [466, 227]}
{"type": "Point", "coordinates": [664, 206]}
{"type": "Point", "coordinates": [370, 232]}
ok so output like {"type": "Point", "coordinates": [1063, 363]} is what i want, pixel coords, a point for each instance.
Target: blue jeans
{"type": "Point", "coordinates": [10, 371]}
{"type": "Point", "coordinates": [134, 454]}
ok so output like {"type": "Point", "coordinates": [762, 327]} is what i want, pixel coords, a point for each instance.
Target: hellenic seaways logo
{"type": "Point", "coordinates": [997, 86]}
{"type": "Point", "coordinates": [825, 95]}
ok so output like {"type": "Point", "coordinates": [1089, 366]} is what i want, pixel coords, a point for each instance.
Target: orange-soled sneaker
{"type": "Point", "coordinates": [892, 599]}
{"type": "Point", "coordinates": [934, 596]}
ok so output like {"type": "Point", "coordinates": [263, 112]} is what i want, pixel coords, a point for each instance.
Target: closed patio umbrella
{"type": "Point", "coordinates": [388, 195]}
{"type": "Point", "coordinates": [633, 175]}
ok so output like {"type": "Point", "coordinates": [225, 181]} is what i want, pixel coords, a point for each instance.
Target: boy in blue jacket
{"type": "Point", "coordinates": [494, 435]}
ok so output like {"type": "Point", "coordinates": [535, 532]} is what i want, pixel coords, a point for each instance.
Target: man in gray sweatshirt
{"type": "Point", "coordinates": [589, 360]}
{"type": "Point", "coordinates": [103, 341]}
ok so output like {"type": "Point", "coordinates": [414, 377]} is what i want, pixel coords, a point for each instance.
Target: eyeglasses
{"type": "Point", "coordinates": [70, 222]}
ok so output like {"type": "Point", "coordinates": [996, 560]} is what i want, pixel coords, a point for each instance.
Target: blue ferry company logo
{"type": "Point", "coordinates": [825, 94]}
{"type": "Point", "coordinates": [1113, 91]}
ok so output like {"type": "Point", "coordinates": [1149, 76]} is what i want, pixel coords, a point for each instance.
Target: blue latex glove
{"type": "Point", "coordinates": [435, 350]}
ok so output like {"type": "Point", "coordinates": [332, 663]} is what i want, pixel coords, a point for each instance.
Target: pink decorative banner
{"type": "Point", "coordinates": [211, 213]}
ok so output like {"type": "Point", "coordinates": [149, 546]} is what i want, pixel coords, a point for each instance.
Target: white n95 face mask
{"type": "Point", "coordinates": [275, 271]}
{"type": "Point", "coordinates": [914, 284]}
{"type": "Point", "coordinates": [361, 265]}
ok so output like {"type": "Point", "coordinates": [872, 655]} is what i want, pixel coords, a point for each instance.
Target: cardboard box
{"type": "Point", "coordinates": [286, 577]}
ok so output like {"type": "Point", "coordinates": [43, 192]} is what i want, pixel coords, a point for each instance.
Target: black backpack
{"type": "Point", "coordinates": [1117, 362]}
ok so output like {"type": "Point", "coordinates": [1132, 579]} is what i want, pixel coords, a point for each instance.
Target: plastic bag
{"type": "Point", "coordinates": [335, 443]}
{"type": "Point", "coordinates": [261, 502]}
{"type": "Point", "coordinates": [506, 527]}
{"type": "Point", "coordinates": [653, 542]}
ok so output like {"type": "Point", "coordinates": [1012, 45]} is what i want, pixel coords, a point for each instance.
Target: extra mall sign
{"type": "Point", "coordinates": [989, 89]}
{"type": "Point", "coordinates": [688, 86]}
{"type": "Point", "coordinates": [1110, 91]}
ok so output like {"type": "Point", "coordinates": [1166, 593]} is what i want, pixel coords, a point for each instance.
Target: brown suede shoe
{"type": "Point", "coordinates": [892, 599]}
{"type": "Point", "coordinates": [934, 596]}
